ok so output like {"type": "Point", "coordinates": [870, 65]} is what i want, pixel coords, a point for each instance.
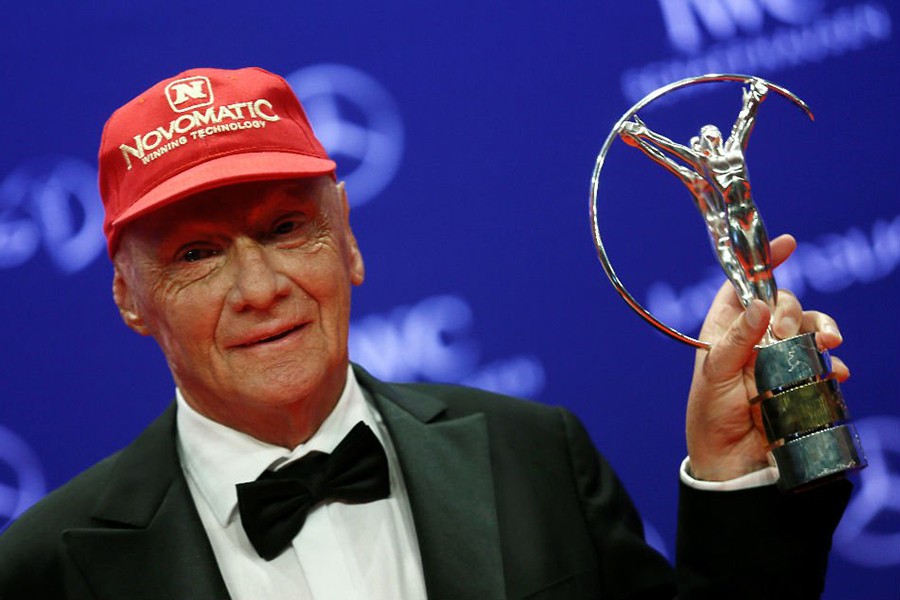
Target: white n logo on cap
{"type": "Point", "coordinates": [189, 93]}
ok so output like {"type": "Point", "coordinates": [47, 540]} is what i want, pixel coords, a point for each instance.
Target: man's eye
{"type": "Point", "coordinates": [195, 254]}
{"type": "Point", "coordinates": [285, 227]}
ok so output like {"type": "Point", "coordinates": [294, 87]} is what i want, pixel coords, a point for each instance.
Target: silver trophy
{"type": "Point", "coordinates": [799, 406]}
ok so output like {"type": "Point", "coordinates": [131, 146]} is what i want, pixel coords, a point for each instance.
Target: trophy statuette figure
{"type": "Point", "coordinates": [799, 404]}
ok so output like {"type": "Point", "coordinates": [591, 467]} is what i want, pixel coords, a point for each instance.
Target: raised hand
{"type": "Point", "coordinates": [723, 442]}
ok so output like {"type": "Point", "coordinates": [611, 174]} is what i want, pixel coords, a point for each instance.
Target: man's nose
{"type": "Point", "coordinates": [258, 283]}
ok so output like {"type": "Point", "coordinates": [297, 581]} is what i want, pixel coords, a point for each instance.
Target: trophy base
{"type": "Point", "coordinates": [802, 411]}
{"type": "Point", "coordinates": [818, 456]}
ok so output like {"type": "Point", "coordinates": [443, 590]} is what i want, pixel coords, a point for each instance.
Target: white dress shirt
{"type": "Point", "coordinates": [343, 552]}
{"type": "Point", "coordinates": [766, 476]}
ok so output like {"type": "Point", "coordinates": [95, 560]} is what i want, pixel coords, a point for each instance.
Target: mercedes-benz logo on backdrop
{"type": "Point", "coordinates": [358, 123]}
{"type": "Point", "coordinates": [54, 201]}
{"type": "Point", "coordinates": [21, 480]}
{"type": "Point", "coordinates": [868, 534]}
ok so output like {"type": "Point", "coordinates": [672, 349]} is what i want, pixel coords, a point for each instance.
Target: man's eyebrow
{"type": "Point", "coordinates": [302, 192]}
{"type": "Point", "coordinates": [300, 199]}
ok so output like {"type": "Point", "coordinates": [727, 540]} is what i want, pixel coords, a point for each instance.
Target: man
{"type": "Point", "coordinates": [232, 248]}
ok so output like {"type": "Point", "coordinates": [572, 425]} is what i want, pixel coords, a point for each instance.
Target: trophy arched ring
{"type": "Point", "coordinates": [800, 406]}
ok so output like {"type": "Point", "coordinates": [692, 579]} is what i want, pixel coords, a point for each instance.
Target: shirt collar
{"type": "Point", "coordinates": [217, 458]}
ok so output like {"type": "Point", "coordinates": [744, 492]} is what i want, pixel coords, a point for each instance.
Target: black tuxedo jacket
{"type": "Point", "coordinates": [510, 501]}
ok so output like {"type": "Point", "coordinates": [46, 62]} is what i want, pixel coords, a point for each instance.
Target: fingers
{"type": "Point", "coordinates": [840, 369]}
{"type": "Point", "coordinates": [729, 355]}
{"type": "Point", "coordinates": [782, 247]}
{"type": "Point", "coordinates": [790, 320]}
{"type": "Point", "coordinates": [736, 346]}
{"type": "Point", "coordinates": [828, 335]}
{"type": "Point", "coordinates": [725, 308]}
{"type": "Point", "coordinates": [788, 315]}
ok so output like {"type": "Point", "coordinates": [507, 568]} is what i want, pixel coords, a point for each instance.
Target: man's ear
{"type": "Point", "coordinates": [124, 298]}
{"type": "Point", "coordinates": [357, 266]}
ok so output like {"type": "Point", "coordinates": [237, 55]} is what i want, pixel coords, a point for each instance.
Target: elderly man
{"type": "Point", "coordinates": [283, 471]}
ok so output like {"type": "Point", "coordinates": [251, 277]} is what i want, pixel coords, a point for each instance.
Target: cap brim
{"type": "Point", "coordinates": [226, 170]}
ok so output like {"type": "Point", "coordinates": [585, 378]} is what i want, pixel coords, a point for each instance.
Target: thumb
{"type": "Point", "coordinates": [734, 350]}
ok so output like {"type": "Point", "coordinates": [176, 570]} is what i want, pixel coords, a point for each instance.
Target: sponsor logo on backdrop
{"type": "Point", "coordinates": [754, 36]}
{"type": "Point", "coordinates": [357, 121]}
{"type": "Point", "coordinates": [686, 20]}
{"type": "Point", "coordinates": [829, 265]}
{"type": "Point", "coordinates": [26, 486]}
{"type": "Point", "coordinates": [52, 203]}
{"type": "Point", "coordinates": [869, 534]}
{"type": "Point", "coordinates": [432, 340]}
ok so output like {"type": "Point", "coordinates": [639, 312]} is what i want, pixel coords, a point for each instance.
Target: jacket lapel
{"type": "Point", "coordinates": [149, 542]}
{"type": "Point", "coordinates": [447, 469]}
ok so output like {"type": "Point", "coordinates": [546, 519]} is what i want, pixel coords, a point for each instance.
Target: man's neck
{"type": "Point", "coordinates": [286, 425]}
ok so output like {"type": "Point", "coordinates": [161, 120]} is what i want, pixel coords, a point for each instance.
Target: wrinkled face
{"type": "Point", "coordinates": [246, 288]}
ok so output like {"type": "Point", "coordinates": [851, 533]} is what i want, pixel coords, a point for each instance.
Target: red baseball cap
{"type": "Point", "coordinates": [198, 130]}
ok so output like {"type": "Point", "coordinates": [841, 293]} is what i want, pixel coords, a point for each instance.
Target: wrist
{"type": "Point", "coordinates": [723, 469]}
{"type": "Point", "coordinates": [765, 476]}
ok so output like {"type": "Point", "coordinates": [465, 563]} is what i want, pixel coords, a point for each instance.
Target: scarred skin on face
{"type": "Point", "coordinates": [246, 289]}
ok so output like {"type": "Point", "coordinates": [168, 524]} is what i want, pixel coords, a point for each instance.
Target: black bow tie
{"type": "Point", "coordinates": [274, 507]}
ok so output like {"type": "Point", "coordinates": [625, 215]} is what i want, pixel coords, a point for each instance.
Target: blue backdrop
{"type": "Point", "coordinates": [467, 135]}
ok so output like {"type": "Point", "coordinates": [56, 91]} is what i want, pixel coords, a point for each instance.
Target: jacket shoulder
{"type": "Point", "coordinates": [129, 482]}
{"type": "Point", "coordinates": [68, 506]}
{"type": "Point", "coordinates": [29, 556]}
{"type": "Point", "coordinates": [461, 400]}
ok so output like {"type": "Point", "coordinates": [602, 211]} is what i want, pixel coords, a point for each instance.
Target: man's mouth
{"type": "Point", "coordinates": [272, 338]}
